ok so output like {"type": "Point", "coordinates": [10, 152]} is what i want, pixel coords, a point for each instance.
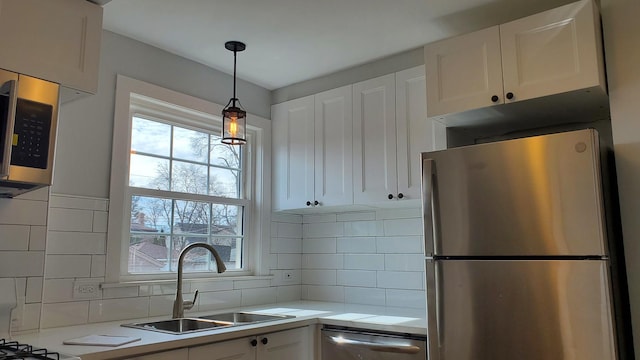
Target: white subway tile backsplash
{"type": "Point", "coordinates": [58, 290]}
{"type": "Point", "coordinates": [161, 305]}
{"type": "Point", "coordinates": [288, 230]}
{"type": "Point", "coordinates": [70, 220]}
{"type": "Point", "coordinates": [400, 245]}
{"type": "Point", "coordinates": [319, 245]}
{"type": "Point", "coordinates": [64, 314]}
{"type": "Point", "coordinates": [14, 237]}
{"type": "Point", "coordinates": [404, 262]}
{"type": "Point", "coordinates": [318, 218]}
{"type": "Point", "coordinates": [248, 284]}
{"type": "Point", "coordinates": [68, 266]}
{"type": "Point", "coordinates": [31, 316]}
{"type": "Point", "coordinates": [363, 228]}
{"type": "Point", "coordinates": [286, 245]}
{"type": "Point", "coordinates": [98, 265]}
{"type": "Point", "coordinates": [286, 218]}
{"type": "Point", "coordinates": [21, 263]}
{"type": "Point", "coordinates": [34, 290]}
{"type": "Point", "coordinates": [78, 202]}
{"type": "Point", "coordinates": [322, 261]}
{"type": "Point", "coordinates": [384, 214]}
{"type": "Point", "coordinates": [37, 238]}
{"type": "Point", "coordinates": [403, 227]}
{"type": "Point", "coordinates": [41, 194]}
{"type": "Point", "coordinates": [323, 293]}
{"type": "Point", "coordinates": [120, 292]}
{"type": "Point", "coordinates": [257, 296]}
{"type": "Point", "coordinates": [219, 300]}
{"type": "Point", "coordinates": [289, 261]}
{"type": "Point", "coordinates": [401, 280]}
{"type": "Point", "coordinates": [360, 278]}
{"type": "Point", "coordinates": [355, 245]}
{"type": "Point", "coordinates": [319, 277]}
{"type": "Point", "coordinates": [318, 230]}
{"type": "Point", "coordinates": [64, 242]}
{"type": "Point", "coordinates": [118, 309]}
{"type": "Point", "coordinates": [406, 298]}
{"type": "Point", "coordinates": [363, 295]}
{"type": "Point", "coordinates": [364, 262]}
{"type": "Point", "coordinates": [357, 216]}
{"type": "Point", "coordinates": [288, 293]}
{"type": "Point", "coordinates": [215, 285]}
{"type": "Point", "coordinates": [286, 277]}
{"type": "Point", "coordinates": [23, 212]}
{"type": "Point", "coordinates": [100, 220]}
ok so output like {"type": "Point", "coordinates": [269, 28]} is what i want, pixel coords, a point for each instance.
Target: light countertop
{"type": "Point", "coordinates": [400, 320]}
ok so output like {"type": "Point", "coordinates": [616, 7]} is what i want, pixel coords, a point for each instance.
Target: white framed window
{"type": "Point", "coordinates": [174, 183]}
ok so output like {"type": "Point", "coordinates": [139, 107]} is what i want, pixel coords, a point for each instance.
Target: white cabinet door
{"type": "Point", "coordinates": [415, 133]}
{"type": "Point", "coordinates": [333, 147]}
{"type": "Point", "coordinates": [289, 344]}
{"type": "Point", "coordinates": [293, 153]}
{"type": "Point", "coordinates": [552, 52]}
{"type": "Point", "coordinates": [57, 40]}
{"type": "Point", "coordinates": [239, 349]}
{"type": "Point", "coordinates": [180, 354]}
{"type": "Point", "coordinates": [464, 72]}
{"type": "Point", "coordinates": [374, 140]}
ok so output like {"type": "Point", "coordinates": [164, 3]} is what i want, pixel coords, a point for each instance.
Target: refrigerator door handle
{"type": "Point", "coordinates": [9, 89]}
{"type": "Point", "coordinates": [435, 322]}
{"type": "Point", "coordinates": [429, 204]}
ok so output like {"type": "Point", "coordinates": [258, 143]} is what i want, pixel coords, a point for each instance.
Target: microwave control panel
{"type": "Point", "coordinates": [31, 134]}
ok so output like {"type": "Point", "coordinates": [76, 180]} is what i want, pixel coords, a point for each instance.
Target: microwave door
{"type": "Point", "coordinates": [8, 101]}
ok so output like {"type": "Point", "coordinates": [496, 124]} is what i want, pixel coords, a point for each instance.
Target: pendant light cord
{"type": "Point", "coordinates": [234, 77]}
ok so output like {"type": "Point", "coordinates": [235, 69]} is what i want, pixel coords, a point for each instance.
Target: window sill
{"type": "Point", "coordinates": [193, 280]}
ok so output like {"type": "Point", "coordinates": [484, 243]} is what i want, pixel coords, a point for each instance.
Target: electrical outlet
{"type": "Point", "coordinates": [83, 289]}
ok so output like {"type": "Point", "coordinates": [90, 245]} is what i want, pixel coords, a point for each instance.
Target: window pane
{"type": "Point", "coordinates": [150, 137]}
{"type": "Point", "coordinates": [224, 182]}
{"type": "Point", "coordinates": [190, 145]}
{"type": "Point", "coordinates": [189, 178]}
{"type": "Point", "coordinates": [190, 217]}
{"type": "Point", "coordinates": [149, 172]}
{"type": "Point", "coordinates": [230, 250]}
{"type": "Point", "coordinates": [226, 220]}
{"type": "Point", "coordinates": [223, 154]}
{"type": "Point", "coordinates": [150, 238]}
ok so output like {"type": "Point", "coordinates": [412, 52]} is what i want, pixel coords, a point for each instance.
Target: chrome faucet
{"type": "Point", "coordinates": [178, 304]}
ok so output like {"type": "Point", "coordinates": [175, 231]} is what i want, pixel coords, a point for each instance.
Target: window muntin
{"type": "Point", "coordinates": [184, 187]}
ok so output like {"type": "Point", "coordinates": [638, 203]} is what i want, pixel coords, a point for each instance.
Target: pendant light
{"type": "Point", "coordinates": [234, 118]}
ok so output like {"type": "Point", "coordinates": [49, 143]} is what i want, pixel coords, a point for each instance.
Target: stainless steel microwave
{"type": "Point", "coordinates": [28, 123]}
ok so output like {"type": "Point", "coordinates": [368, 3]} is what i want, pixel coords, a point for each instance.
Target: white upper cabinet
{"type": "Point", "coordinates": [55, 40]}
{"type": "Point", "coordinates": [374, 140]}
{"type": "Point", "coordinates": [553, 52]}
{"type": "Point", "coordinates": [312, 151]}
{"type": "Point", "coordinates": [293, 153]}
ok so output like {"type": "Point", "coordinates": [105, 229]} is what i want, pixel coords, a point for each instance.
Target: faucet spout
{"type": "Point", "coordinates": [179, 305]}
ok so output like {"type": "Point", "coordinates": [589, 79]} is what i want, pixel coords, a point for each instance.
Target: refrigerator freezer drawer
{"type": "Point", "coordinates": [525, 310]}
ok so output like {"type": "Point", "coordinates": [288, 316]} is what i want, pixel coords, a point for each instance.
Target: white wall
{"type": "Point", "coordinates": [622, 52]}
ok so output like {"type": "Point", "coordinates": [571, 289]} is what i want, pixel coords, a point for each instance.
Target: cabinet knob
{"type": "Point", "coordinates": [254, 342]}
{"type": "Point", "coordinates": [509, 95]}
{"type": "Point", "coordinates": [315, 203]}
{"type": "Point", "coordinates": [264, 341]}
{"type": "Point", "coordinates": [390, 196]}
{"type": "Point", "coordinates": [308, 203]}
{"type": "Point", "coordinates": [495, 98]}
{"type": "Point", "coordinates": [400, 196]}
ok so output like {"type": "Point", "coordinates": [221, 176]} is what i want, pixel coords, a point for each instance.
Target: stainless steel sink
{"type": "Point", "coordinates": [180, 325]}
{"type": "Point", "coordinates": [244, 318]}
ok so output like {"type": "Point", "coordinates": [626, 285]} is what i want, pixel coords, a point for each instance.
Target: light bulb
{"type": "Point", "coordinates": [233, 126]}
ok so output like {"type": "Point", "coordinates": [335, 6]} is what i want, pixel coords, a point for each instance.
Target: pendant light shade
{"type": "Point", "coordinates": [234, 118]}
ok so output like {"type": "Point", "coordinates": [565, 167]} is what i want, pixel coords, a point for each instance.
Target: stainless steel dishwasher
{"type": "Point", "coordinates": [340, 343]}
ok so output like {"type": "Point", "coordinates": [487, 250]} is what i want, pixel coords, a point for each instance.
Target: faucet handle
{"type": "Point", "coordinates": [187, 305]}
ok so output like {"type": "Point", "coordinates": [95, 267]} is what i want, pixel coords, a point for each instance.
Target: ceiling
{"type": "Point", "coordinates": [289, 41]}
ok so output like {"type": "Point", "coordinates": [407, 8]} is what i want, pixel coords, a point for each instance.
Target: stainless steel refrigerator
{"type": "Point", "coordinates": [517, 259]}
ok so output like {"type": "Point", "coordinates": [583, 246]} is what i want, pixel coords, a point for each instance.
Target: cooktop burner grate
{"type": "Point", "coordinates": [13, 350]}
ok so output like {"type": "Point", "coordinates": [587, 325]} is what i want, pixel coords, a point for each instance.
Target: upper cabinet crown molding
{"type": "Point", "coordinates": [55, 40]}
{"type": "Point", "coordinates": [553, 60]}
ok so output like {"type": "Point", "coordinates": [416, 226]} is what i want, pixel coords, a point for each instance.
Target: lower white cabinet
{"type": "Point", "coordinates": [287, 344]}
{"type": "Point", "coordinates": [179, 354]}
